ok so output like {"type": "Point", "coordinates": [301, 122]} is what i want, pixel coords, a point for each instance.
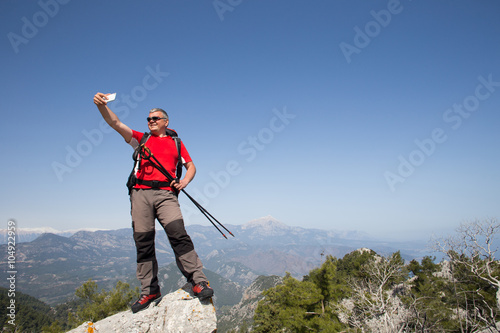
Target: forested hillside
{"type": "Point", "coordinates": [30, 316]}
{"type": "Point", "coordinates": [360, 292]}
{"type": "Point", "coordinates": [365, 292]}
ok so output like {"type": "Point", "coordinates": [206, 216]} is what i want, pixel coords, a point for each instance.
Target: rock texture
{"type": "Point", "coordinates": [176, 312]}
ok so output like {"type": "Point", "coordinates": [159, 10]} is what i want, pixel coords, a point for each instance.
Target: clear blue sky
{"type": "Point", "coordinates": [377, 116]}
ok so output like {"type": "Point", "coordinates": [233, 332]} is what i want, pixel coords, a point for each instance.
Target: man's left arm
{"type": "Point", "coordinates": [190, 172]}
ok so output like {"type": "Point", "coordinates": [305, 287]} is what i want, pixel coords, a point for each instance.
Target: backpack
{"type": "Point", "coordinates": [136, 156]}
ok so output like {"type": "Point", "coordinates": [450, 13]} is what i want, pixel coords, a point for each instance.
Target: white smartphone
{"type": "Point", "coordinates": [111, 97]}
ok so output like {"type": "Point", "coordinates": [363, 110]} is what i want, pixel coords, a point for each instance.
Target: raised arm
{"type": "Point", "coordinates": [111, 118]}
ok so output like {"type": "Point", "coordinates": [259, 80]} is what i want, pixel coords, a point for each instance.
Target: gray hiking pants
{"type": "Point", "coordinates": [146, 206]}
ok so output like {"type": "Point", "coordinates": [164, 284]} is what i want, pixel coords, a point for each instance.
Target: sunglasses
{"type": "Point", "coordinates": [154, 118]}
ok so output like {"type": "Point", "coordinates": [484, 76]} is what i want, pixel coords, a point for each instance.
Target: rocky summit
{"type": "Point", "coordinates": [176, 312]}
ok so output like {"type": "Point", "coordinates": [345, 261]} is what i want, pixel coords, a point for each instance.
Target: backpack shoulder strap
{"type": "Point", "coordinates": [178, 173]}
{"type": "Point", "coordinates": [173, 135]}
{"type": "Point", "coordinates": [132, 180]}
{"type": "Point", "coordinates": [144, 138]}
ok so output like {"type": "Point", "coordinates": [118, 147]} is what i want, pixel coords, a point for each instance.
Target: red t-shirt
{"type": "Point", "coordinates": [165, 151]}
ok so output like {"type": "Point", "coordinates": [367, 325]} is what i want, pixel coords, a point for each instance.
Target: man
{"type": "Point", "coordinates": [154, 197]}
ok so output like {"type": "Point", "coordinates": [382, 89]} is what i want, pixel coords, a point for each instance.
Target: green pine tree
{"type": "Point", "coordinates": [294, 306]}
{"type": "Point", "coordinates": [99, 305]}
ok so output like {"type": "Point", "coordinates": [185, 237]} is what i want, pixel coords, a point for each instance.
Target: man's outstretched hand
{"type": "Point", "coordinates": [100, 99]}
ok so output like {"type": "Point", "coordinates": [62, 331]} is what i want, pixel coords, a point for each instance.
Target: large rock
{"type": "Point", "coordinates": [176, 312]}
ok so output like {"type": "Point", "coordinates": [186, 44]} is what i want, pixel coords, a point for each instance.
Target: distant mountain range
{"type": "Point", "coordinates": [267, 226]}
{"type": "Point", "coordinates": [24, 235]}
{"type": "Point", "coordinates": [52, 265]}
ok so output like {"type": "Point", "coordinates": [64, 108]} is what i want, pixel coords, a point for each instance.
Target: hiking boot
{"type": "Point", "coordinates": [203, 291]}
{"type": "Point", "coordinates": [144, 301]}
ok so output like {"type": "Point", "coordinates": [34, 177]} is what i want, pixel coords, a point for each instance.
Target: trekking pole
{"type": "Point", "coordinates": [205, 212]}
{"type": "Point", "coordinates": [148, 155]}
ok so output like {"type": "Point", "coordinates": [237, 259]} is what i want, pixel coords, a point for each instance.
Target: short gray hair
{"type": "Point", "coordinates": [159, 110]}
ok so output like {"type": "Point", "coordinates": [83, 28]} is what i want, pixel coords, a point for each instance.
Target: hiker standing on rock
{"type": "Point", "coordinates": [152, 197]}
